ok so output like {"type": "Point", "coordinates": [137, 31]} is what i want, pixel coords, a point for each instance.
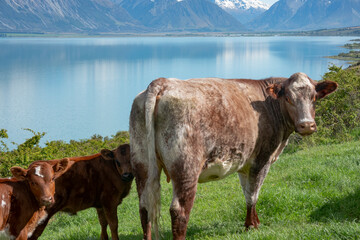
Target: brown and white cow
{"type": "Point", "coordinates": [24, 197]}
{"type": "Point", "coordinates": [100, 181]}
{"type": "Point", "coordinates": [201, 130]}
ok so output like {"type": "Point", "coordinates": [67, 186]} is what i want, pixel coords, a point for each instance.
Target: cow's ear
{"type": "Point", "coordinates": [18, 173]}
{"type": "Point", "coordinates": [60, 167]}
{"type": "Point", "coordinates": [107, 154]}
{"type": "Point", "coordinates": [275, 90]}
{"type": "Point", "coordinates": [325, 88]}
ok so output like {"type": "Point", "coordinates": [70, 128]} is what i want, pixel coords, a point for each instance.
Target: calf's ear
{"type": "Point", "coordinates": [275, 90]}
{"type": "Point", "coordinates": [124, 149]}
{"type": "Point", "coordinates": [60, 167]}
{"type": "Point", "coordinates": [107, 154]}
{"type": "Point", "coordinates": [325, 88]}
{"type": "Point", "coordinates": [18, 173]}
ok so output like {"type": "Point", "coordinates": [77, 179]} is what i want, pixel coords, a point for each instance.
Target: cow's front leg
{"type": "Point", "coordinates": [184, 190]}
{"type": "Point", "coordinates": [251, 183]}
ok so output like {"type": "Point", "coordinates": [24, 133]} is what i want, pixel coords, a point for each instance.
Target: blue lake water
{"type": "Point", "coordinates": [72, 88]}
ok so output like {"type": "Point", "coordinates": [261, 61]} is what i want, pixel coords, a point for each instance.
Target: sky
{"type": "Point", "coordinates": [270, 2]}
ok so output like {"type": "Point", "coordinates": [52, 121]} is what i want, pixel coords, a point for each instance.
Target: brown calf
{"type": "Point", "coordinates": [100, 181]}
{"type": "Point", "coordinates": [24, 197]}
{"type": "Point", "coordinates": [202, 130]}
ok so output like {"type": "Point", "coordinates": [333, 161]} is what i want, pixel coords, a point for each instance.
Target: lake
{"type": "Point", "coordinates": [73, 88]}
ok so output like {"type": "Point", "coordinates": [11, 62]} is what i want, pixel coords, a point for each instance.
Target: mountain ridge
{"type": "Point", "coordinates": [308, 15]}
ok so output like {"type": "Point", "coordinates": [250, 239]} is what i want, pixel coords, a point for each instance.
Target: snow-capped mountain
{"type": "Point", "coordinates": [242, 4]}
{"type": "Point", "coordinates": [243, 10]}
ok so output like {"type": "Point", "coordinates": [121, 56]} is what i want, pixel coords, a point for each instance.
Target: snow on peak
{"type": "Point", "coordinates": [241, 4]}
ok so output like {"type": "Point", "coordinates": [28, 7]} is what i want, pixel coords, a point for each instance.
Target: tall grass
{"type": "Point", "coordinates": [310, 194]}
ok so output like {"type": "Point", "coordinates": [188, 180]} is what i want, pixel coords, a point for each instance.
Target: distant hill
{"type": "Point", "coordinates": [174, 16]}
{"type": "Point", "coordinates": [181, 15]}
{"type": "Point", "coordinates": [309, 15]}
{"type": "Point", "coordinates": [243, 10]}
{"type": "Point", "coordinates": [65, 16]}
{"type": "Point", "coordinates": [114, 16]}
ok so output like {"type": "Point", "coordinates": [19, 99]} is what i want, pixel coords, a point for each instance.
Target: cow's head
{"type": "Point", "coordinates": [41, 175]}
{"type": "Point", "coordinates": [299, 94]}
{"type": "Point", "coordinates": [121, 156]}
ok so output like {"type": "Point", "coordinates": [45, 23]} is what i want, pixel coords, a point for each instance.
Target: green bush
{"type": "Point", "coordinates": [30, 150]}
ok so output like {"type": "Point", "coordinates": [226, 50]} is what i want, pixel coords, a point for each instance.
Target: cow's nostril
{"type": "Point", "coordinates": [302, 126]}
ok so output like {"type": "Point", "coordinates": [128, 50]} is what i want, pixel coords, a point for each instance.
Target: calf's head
{"type": "Point", "coordinates": [299, 94]}
{"type": "Point", "coordinates": [121, 156]}
{"type": "Point", "coordinates": [41, 175]}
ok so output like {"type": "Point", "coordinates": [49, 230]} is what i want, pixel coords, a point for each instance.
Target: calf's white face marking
{"type": "Point", "coordinates": [37, 171]}
{"type": "Point", "coordinates": [3, 203]}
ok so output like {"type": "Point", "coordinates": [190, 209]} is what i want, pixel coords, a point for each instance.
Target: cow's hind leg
{"type": "Point", "coordinates": [103, 224]}
{"type": "Point", "coordinates": [141, 177]}
{"type": "Point", "coordinates": [251, 183]}
{"type": "Point", "coordinates": [184, 190]}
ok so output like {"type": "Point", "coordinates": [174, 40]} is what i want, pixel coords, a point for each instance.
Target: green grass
{"type": "Point", "coordinates": [310, 194]}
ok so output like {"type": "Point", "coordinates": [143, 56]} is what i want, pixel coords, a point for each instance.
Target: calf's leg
{"type": "Point", "coordinates": [103, 224]}
{"type": "Point", "coordinates": [251, 183]}
{"type": "Point", "coordinates": [112, 219]}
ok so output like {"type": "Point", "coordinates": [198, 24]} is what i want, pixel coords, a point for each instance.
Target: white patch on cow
{"type": "Point", "coordinates": [304, 112]}
{"type": "Point", "coordinates": [220, 168]}
{"type": "Point", "coordinates": [301, 81]}
{"type": "Point", "coordinates": [5, 234]}
{"type": "Point", "coordinates": [37, 171]}
{"type": "Point", "coordinates": [40, 221]}
{"type": "Point", "coordinates": [175, 201]}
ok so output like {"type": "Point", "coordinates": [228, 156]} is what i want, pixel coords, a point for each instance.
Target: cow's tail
{"type": "Point", "coordinates": [152, 187]}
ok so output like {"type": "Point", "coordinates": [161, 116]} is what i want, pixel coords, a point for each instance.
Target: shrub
{"type": "Point", "coordinates": [30, 150]}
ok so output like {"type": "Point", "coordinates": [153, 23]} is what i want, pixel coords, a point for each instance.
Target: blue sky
{"type": "Point", "coordinates": [270, 2]}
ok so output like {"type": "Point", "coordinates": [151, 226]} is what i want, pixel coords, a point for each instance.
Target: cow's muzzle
{"type": "Point", "coordinates": [306, 128]}
{"type": "Point", "coordinates": [127, 177]}
{"type": "Point", "coordinates": [47, 201]}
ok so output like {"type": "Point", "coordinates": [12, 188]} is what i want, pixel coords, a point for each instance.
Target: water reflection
{"type": "Point", "coordinates": [74, 88]}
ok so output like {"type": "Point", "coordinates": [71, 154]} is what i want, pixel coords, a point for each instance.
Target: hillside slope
{"type": "Point", "coordinates": [309, 15]}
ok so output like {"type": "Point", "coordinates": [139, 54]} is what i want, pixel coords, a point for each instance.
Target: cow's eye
{"type": "Point", "coordinates": [288, 100]}
{"type": "Point", "coordinates": [33, 183]}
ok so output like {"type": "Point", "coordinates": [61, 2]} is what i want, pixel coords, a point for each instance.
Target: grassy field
{"type": "Point", "coordinates": [312, 194]}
